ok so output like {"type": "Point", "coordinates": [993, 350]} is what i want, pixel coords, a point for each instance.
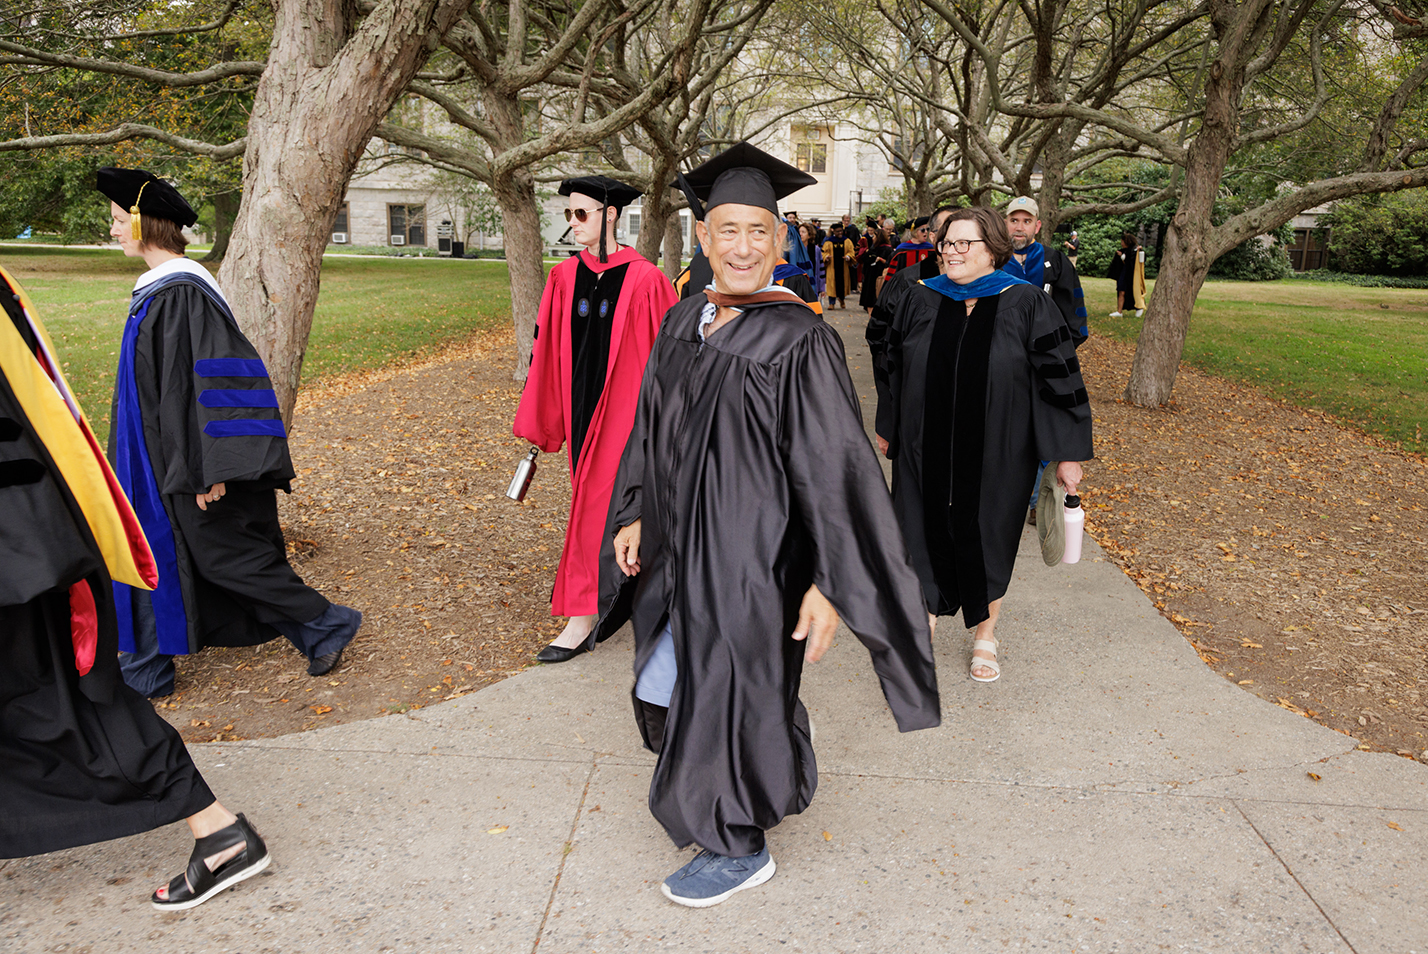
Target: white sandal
{"type": "Point", "coordinates": [986, 645]}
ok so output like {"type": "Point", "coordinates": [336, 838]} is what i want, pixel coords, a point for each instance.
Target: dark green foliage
{"type": "Point", "coordinates": [1363, 281]}
{"type": "Point", "coordinates": [1381, 234]}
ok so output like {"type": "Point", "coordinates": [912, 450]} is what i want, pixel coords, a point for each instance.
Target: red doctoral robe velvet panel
{"type": "Point", "coordinates": [544, 415]}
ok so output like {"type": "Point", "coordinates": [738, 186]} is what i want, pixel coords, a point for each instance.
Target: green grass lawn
{"type": "Point", "coordinates": [1360, 354]}
{"type": "Point", "coordinates": [370, 312]}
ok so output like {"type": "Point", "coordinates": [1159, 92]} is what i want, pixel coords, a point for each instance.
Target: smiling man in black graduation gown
{"type": "Point", "coordinates": [749, 514]}
{"type": "Point", "coordinates": [198, 446]}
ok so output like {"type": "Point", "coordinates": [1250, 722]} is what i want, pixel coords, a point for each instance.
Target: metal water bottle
{"type": "Point", "coordinates": [525, 470]}
{"type": "Point", "coordinates": [1075, 519]}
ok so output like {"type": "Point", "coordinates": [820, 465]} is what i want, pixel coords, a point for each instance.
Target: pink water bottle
{"type": "Point", "coordinates": [1075, 524]}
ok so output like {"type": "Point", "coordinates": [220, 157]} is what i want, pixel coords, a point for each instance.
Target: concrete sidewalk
{"type": "Point", "coordinates": [1109, 793]}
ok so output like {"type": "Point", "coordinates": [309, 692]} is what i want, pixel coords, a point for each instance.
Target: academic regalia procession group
{"type": "Point", "coordinates": [726, 502]}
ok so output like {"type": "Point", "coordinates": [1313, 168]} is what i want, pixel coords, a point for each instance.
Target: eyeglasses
{"type": "Point", "coordinates": [580, 215]}
{"type": "Point", "coordinates": [961, 246]}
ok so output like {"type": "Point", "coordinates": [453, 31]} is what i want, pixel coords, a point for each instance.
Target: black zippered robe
{"type": "Point", "coordinates": [753, 478]}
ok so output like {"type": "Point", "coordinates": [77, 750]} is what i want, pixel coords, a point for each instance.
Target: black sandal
{"type": "Point", "coordinates": [198, 884]}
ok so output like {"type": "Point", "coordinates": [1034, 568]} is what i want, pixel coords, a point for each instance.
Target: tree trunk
{"type": "Point", "coordinates": [1167, 316]}
{"type": "Point", "coordinates": [1187, 257]}
{"type": "Point", "coordinates": [524, 258]}
{"type": "Point", "coordinates": [673, 245]}
{"type": "Point", "coordinates": [225, 210]}
{"type": "Point", "coordinates": [655, 211]}
{"type": "Point", "coordinates": [321, 97]}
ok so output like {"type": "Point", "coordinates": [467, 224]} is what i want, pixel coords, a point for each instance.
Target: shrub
{"type": "Point", "coordinates": [1380, 234]}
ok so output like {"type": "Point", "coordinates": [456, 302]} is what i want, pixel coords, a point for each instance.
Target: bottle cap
{"type": "Point", "coordinates": [1072, 501]}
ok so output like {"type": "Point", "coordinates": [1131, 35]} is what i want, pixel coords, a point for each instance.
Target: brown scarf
{"type": "Point", "coordinates": [780, 294]}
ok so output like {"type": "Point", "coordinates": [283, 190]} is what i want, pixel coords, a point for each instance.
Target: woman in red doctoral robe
{"type": "Point", "coordinates": [598, 321]}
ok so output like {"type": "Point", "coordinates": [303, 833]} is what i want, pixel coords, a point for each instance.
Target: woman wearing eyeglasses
{"type": "Point", "coordinates": [984, 385]}
{"type": "Point", "coordinates": [598, 320]}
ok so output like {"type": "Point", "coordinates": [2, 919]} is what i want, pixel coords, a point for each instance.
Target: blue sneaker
{"type": "Point", "coordinates": [711, 878]}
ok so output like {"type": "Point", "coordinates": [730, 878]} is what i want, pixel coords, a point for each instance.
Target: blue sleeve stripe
{"type": "Point", "coordinates": [1080, 313]}
{"type": "Point", "coordinates": [248, 428]}
{"type": "Point", "coordinates": [230, 368]}
{"type": "Point", "coordinates": [1077, 293]}
{"type": "Point", "coordinates": [226, 397]}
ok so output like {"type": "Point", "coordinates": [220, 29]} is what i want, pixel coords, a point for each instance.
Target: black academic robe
{"type": "Point", "coordinates": [1057, 277]}
{"type": "Point", "coordinates": [695, 277]}
{"type": "Point", "coordinates": [879, 338]}
{"type": "Point", "coordinates": [193, 407]}
{"type": "Point", "coordinates": [873, 261]}
{"type": "Point", "coordinates": [976, 404]}
{"type": "Point", "coordinates": [752, 477]}
{"type": "Point", "coordinates": [83, 758]}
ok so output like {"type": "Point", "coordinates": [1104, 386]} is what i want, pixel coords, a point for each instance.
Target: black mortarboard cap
{"type": "Point", "coordinates": [746, 175]}
{"type": "Point", "coordinates": [135, 188]}
{"type": "Point", "coordinates": [921, 221]}
{"type": "Point", "coordinates": [603, 189]}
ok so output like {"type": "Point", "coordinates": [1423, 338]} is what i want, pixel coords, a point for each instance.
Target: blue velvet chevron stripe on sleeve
{"type": "Point", "coordinates": [230, 368]}
{"type": "Point", "coordinates": [245, 428]}
{"type": "Point", "coordinates": [238, 397]}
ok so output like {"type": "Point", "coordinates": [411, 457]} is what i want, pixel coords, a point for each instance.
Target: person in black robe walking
{"type": "Point", "coordinates": [83, 758]}
{"type": "Point", "coordinates": [880, 320]}
{"type": "Point", "coordinates": [983, 385]}
{"type": "Point", "coordinates": [873, 262]}
{"type": "Point", "coordinates": [198, 446]}
{"type": "Point", "coordinates": [747, 502]}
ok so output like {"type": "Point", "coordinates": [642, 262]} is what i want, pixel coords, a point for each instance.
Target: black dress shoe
{"type": "Point", "coordinates": [555, 654]}
{"type": "Point", "coordinates": [324, 664]}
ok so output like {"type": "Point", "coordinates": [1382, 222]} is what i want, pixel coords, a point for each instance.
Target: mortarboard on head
{"type": "Point", "coordinates": [608, 192]}
{"type": "Point", "coordinates": [921, 221]}
{"type": "Point", "coordinates": [143, 193]}
{"type": "Point", "coordinates": [746, 175]}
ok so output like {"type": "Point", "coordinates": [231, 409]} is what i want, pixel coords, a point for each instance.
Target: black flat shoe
{"type": "Point", "coordinates": [558, 654]}
{"type": "Point", "coordinates": [324, 664]}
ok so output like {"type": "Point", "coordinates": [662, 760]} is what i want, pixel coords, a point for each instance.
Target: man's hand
{"type": "Point", "coordinates": [215, 493]}
{"type": "Point", "coordinates": [627, 549]}
{"type": "Point", "coordinates": [882, 444]}
{"type": "Point", "coordinates": [817, 621]}
{"type": "Point", "coordinates": [1068, 473]}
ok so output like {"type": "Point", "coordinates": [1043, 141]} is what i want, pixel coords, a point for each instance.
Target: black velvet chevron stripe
{"type": "Point", "coordinates": [10, 429]}
{"type": "Point", "coordinates": [1048, 341]}
{"type": "Point", "coordinates": [1064, 370]}
{"type": "Point", "coordinates": [1075, 399]}
{"type": "Point", "coordinates": [23, 471]}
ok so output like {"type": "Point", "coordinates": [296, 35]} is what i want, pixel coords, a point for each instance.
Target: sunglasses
{"type": "Point", "coordinates": [580, 215]}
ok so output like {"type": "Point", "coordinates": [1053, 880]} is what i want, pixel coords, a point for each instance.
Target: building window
{"type": "Point", "coordinates": [406, 224]}
{"type": "Point", "coordinates": [809, 153]}
{"type": "Point", "coordinates": [340, 235]}
{"type": "Point", "coordinates": [812, 157]}
{"type": "Point", "coordinates": [1309, 251]}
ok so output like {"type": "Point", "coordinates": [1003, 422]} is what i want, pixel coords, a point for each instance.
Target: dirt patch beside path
{"type": "Point", "coordinates": [399, 510]}
{"type": "Point", "coordinates": [1288, 549]}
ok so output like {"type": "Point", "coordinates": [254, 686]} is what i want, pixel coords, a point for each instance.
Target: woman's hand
{"type": "Point", "coordinates": [882, 444]}
{"type": "Point", "coordinates": [627, 549]}
{"type": "Point", "coordinates": [1068, 473]}
{"type": "Point", "coordinates": [215, 493]}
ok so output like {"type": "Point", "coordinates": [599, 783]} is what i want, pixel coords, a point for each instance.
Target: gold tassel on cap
{"type": "Point", "coordinates": [136, 229]}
